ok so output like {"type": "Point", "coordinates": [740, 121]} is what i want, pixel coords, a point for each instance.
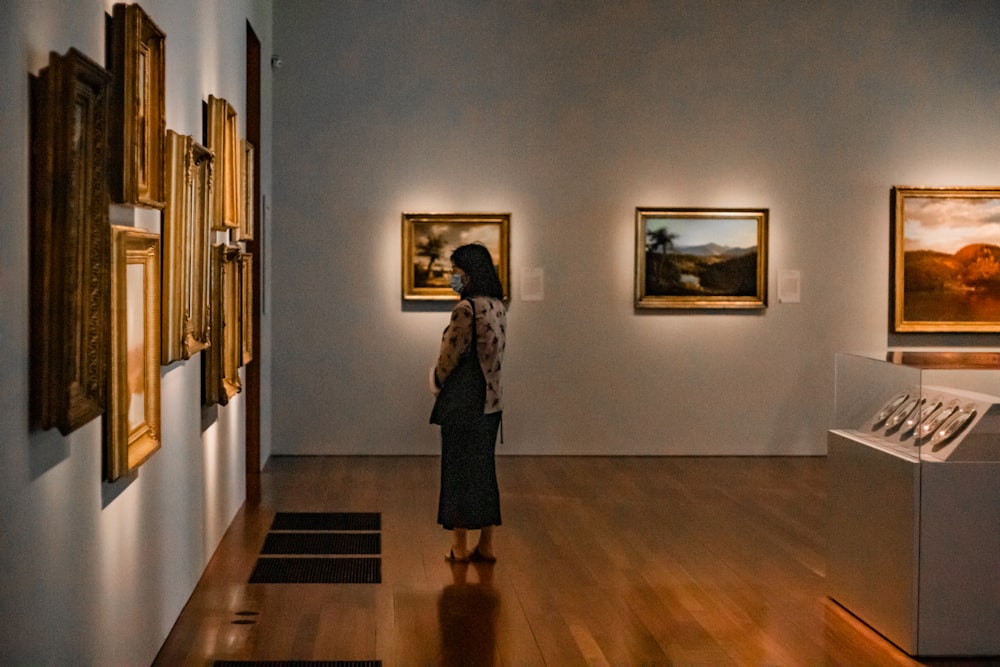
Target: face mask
{"type": "Point", "coordinates": [456, 282]}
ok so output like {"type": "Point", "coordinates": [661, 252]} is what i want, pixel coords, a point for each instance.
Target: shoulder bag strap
{"type": "Point", "coordinates": [474, 343]}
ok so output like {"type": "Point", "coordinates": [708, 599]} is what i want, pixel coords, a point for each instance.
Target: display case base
{"type": "Point", "coordinates": [914, 546]}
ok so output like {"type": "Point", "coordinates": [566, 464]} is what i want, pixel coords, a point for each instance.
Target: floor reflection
{"type": "Point", "coordinates": [467, 612]}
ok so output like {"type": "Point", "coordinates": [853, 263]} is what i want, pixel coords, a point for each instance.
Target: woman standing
{"type": "Point", "coordinates": [469, 403]}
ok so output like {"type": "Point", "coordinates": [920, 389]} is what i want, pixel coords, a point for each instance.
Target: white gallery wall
{"type": "Point", "coordinates": [569, 115]}
{"type": "Point", "coordinates": [97, 573]}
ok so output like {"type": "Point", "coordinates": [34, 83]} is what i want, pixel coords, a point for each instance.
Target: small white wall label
{"type": "Point", "coordinates": [789, 286]}
{"type": "Point", "coordinates": [532, 284]}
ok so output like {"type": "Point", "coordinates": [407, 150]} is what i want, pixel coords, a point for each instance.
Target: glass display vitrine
{"type": "Point", "coordinates": [914, 497]}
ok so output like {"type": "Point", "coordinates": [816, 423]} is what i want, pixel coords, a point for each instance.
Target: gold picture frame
{"type": "Point", "coordinates": [247, 192]}
{"type": "Point", "coordinates": [222, 138]}
{"type": "Point", "coordinates": [430, 238]}
{"type": "Point", "coordinates": [701, 258]}
{"type": "Point", "coordinates": [246, 307]}
{"type": "Point", "coordinates": [138, 107]}
{"type": "Point", "coordinates": [186, 240]}
{"type": "Point", "coordinates": [945, 259]}
{"type": "Point", "coordinates": [222, 358]}
{"type": "Point", "coordinates": [70, 244]}
{"type": "Point", "coordinates": [132, 424]}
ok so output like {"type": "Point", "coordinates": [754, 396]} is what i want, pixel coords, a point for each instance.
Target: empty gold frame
{"type": "Point", "coordinates": [222, 358]}
{"type": "Point", "coordinates": [246, 308]}
{"type": "Point", "coordinates": [132, 425]}
{"type": "Point", "coordinates": [70, 243]}
{"type": "Point", "coordinates": [138, 108]}
{"type": "Point", "coordinates": [222, 139]}
{"type": "Point", "coordinates": [186, 241]}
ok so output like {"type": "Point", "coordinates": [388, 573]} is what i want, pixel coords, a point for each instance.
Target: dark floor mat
{"type": "Point", "coordinates": [317, 571]}
{"type": "Point", "coordinates": [322, 543]}
{"type": "Point", "coordinates": [327, 521]}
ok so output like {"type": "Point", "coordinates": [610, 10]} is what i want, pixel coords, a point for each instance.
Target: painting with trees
{"type": "Point", "coordinates": [430, 238]}
{"type": "Point", "coordinates": [946, 259]}
{"type": "Point", "coordinates": [701, 258]}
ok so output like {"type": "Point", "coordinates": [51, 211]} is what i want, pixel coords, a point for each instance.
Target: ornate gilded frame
{"type": "Point", "coordinates": [132, 425]}
{"type": "Point", "coordinates": [246, 308]}
{"type": "Point", "coordinates": [70, 243]}
{"type": "Point", "coordinates": [222, 358]}
{"type": "Point", "coordinates": [138, 107]}
{"type": "Point", "coordinates": [222, 138]}
{"type": "Point", "coordinates": [945, 253]}
{"type": "Point", "coordinates": [186, 241]}
{"type": "Point", "coordinates": [247, 193]}
{"type": "Point", "coordinates": [701, 258]}
{"type": "Point", "coordinates": [430, 238]}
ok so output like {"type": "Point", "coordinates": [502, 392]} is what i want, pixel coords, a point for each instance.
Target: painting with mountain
{"type": "Point", "coordinates": [701, 258]}
{"type": "Point", "coordinates": [946, 259]}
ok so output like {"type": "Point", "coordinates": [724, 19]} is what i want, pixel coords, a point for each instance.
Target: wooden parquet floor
{"type": "Point", "coordinates": [602, 561]}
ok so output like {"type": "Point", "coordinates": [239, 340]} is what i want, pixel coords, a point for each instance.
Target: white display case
{"type": "Point", "coordinates": [914, 497]}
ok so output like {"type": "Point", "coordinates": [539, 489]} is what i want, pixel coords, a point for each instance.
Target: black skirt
{"type": "Point", "coordinates": [470, 496]}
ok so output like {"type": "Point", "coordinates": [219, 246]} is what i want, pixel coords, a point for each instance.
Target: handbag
{"type": "Point", "coordinates": [463, 395]}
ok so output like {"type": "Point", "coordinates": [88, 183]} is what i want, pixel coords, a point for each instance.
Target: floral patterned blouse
{"type": "Point", "coordinates": [491, 339]}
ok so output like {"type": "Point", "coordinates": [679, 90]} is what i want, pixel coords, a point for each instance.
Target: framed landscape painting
{"type": "Point", "coordinates": [945, 259]}
{"type": "Point", "coordinates": [701, 258]}
{"type": "Point", "coordinates": [430, 238]}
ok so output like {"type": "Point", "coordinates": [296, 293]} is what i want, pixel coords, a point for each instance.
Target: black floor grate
{"type": "Point", "coordinates": [317, 571]}
{"type": "Point", "coordinates": [297, 663]}
{"type": "Point", "coordinates": [327, 521]}
{"type": "Point", "coordinates": [322, 543]}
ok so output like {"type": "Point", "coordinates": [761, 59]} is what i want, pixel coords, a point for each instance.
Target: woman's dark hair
{"type": "Point", "coordinates": [477, 263]}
